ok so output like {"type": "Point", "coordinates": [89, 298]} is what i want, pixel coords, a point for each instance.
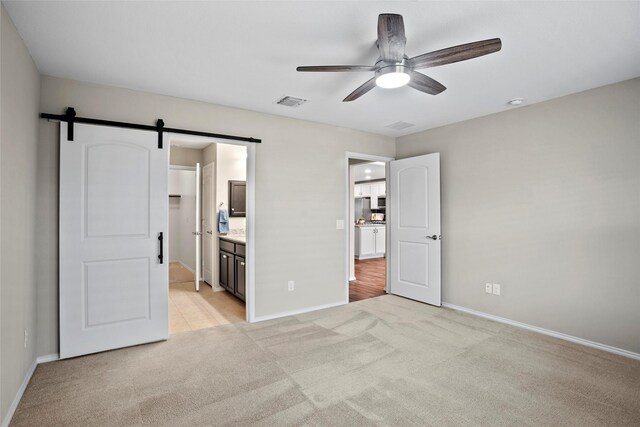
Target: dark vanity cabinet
{"type": "Point", "coordinates": [232, 267]}
{"type": "Point", "coordinates": [240, 281]}
{"type": "Point", "coordinates": [237, 198]}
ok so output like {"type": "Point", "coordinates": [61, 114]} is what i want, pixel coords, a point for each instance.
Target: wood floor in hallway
{"type": "Point", "coordinates": [190, 310]}
{"type": "Point", "coordinates": [371, 276]}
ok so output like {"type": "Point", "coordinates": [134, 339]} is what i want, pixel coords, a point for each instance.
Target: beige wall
{"type": "Point", "coordinates": [545, 200]}
{"type": "Point", "coordinates": [181, 156]}
{"type": "Point", "coordinates": [300, 172]}
{"type": "Point", "coordinates": [19, 93]}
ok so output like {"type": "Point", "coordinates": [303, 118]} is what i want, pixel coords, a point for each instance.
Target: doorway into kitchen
{"type": "Point", "coordinates": [367, 231]}
{"type": "Point", "coordinates": [210, 222]}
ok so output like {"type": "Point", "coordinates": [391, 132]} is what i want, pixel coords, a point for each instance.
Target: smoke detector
{"type": "Point", "coordinates": [516, 101]}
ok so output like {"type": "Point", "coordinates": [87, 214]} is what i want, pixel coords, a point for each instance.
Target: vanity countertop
{"type": "Point", "coordinates": [370, 224]}
{"type": "Point", "coordinates": [236, 238]}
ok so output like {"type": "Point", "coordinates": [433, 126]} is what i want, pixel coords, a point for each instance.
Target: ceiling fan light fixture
{"type": "Point", "coordinates": [392, 77]}
{"type": "Point", "coordinates": [394, 68]}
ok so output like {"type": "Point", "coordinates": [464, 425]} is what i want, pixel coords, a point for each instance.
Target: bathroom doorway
{"type": "Point", "coordinates": [205, 271]}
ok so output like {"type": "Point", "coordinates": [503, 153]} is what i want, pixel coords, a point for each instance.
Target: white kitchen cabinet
{"type": "Point", "coordinates": [374, 195]}
{"type": "Point", "coordinates": [362, 190]}
{"type": "Point", "coordinates": [373, 190]}
{"type": "Point", "coordinates": [370, 242]}
{"type": "Point", "coordinates": [381, 240]}
{"type": "Point", "coordinates": [382, 189]}
{"type": "Point", "coordinates": [365, 242]}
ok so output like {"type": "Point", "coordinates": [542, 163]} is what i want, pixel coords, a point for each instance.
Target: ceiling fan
{"type": "Point", "coordinates": [394, 69]}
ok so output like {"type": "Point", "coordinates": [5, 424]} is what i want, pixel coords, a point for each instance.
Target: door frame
{"type": "Point", "coordinates": [211, 165]}
{"type": "Point", "coordinates": [362, 156]}
{"type": "Point", "coordinates": [250, 307]}
{"type": "Point", "coordinates": [179, 168]}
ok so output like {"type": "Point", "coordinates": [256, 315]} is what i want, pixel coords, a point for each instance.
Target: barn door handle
{"type": "Point", "coordinates": [161, 240]}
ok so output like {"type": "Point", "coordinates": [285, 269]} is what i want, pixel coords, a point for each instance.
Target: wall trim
{"type": "Point", "coordinates": [16, 400]}
{"type": "Point", "coordinates": [295, 312]}
{"type": "Point", "coordinates": [560, 335]}
{"type": "Point", "coordinates": [185, 266]}
{"type": "Point", "coordinates": [48, 358]}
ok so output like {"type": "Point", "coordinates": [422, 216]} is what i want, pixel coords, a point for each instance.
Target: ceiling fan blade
{"type": "Point", "coordinates": [425, 84]}
{"type": "Point", "coordinates": [455, 54]}
{"type": "Point", "coordinates": [391, 38]}
{"type": "Point", "coordinates": [336, 68]}
{"type": "Point", "coordinates": [366, 87]}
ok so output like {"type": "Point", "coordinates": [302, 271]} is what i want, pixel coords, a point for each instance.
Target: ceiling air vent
{"type": "Point", "coordinates": [399, 125]}
{"type": "Point", "coordinates": [290, 101]}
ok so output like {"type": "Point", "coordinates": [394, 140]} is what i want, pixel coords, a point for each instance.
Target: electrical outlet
{"type": "Point", "coordinates": [26, 336]}
{"type": "Point", "coordinates": [496, 289]}
{"type": "Point", "coordinates": [290, 284]}
{"type": "Point", "coordinates": [488, 288]}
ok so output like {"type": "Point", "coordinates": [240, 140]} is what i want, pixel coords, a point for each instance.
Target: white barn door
{"type": "Point", "coordinates": [415, 228]}
{"type": "Point", "coordinates": [113, 210]}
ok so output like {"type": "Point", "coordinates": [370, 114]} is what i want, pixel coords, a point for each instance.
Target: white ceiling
{"type": "Point", "coordinates": [376, 170]}
{"type": "Point", "coordinates": [244, 54]}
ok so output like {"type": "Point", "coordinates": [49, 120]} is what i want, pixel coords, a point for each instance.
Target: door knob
{"type": "Point", "coordinates": [434, 237]}
{"type": "Point", "coordinates": [209, 232]}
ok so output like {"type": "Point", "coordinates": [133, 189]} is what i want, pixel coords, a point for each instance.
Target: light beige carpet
{"type": "Point", "coordinates": [382, 361]}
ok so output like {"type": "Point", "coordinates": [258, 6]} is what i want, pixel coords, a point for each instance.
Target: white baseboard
{"type": "Point", "coordinates": [48, 358]}
{"type": "Point", "coordinates": [295, 312]}
{"type": "Point", "coordinates": [23, 386]}
{"type": "Point", "coordinates": [16, 399]}
{"type": "Point", "coordinates": [359, 257]}
{"type": "Point", "coordinates": [571, 338]}
{"type": "Point", "coordinates": [185, 266]}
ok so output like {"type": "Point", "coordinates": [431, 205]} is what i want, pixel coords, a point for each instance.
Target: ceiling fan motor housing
{"type": "Point", "coordinates": [392, 75]}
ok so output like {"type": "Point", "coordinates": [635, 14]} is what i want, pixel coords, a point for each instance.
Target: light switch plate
{"type": "Point", "coordinates": [488, 287]}
{"type": "Point", "coordinates": [339, 224]}
{"type": "Point", "coordinates": [496, 289]}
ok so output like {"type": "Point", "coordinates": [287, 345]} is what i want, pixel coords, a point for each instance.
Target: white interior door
{"type": "Point", "coordinates": [207, 223]}
{"type": "Point", "coordinates": [415, 228]}
{"type": "Point", "coordinates": [113, 228]}
{"type": "Point", "coordinates": [198, 232]}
